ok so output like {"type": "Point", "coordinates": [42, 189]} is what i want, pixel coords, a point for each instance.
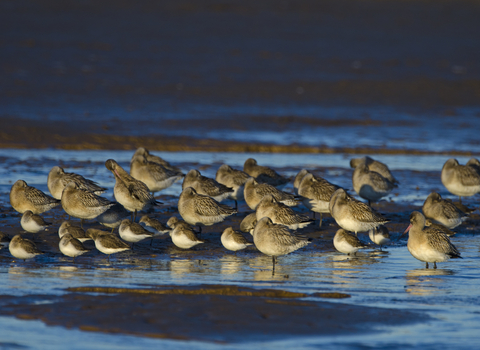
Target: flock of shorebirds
{"type": "Point", "coordinates": [273, 223]}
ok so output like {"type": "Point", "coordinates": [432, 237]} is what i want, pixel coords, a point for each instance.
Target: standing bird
{"type": "Point", "coordinates": [154, 226]}
{"type": "Point", "coordinates": [24, 197]}
{"type": "Point", "coordinates": [428, 244]}
{"type": "Point", "coordinates": [281, 214]}
{"type": "Point", "coordinates": [460, 180]}
{"type": "Point", "coordinates": [298, 179]}
{"type": "Point", "coordinates": [443, 211]}
{"type": "Point", "coordinates": [206, 186]}
{"type": "Point", "coordinates": [316, 193]}
{"type": "Point", "coordinates": [182, 234]}
{"type": "Point", "coordinates": [254, 192]}
{"type": "Point", "coordinates": [4, 240]}
{"type": "Point", "coordinates": [113, 217]}
{"type": "Point", "coordinates": [154, 175]}
{"type": "Point", "coordinates": [248, 223]}
{"type": "Point", "coordinates": [133, 232]}
{"type": "Point", "coordinates": [22, 248]}
{"type": "Point", "coordinates": [475, 164]}
{"type": "Point", "coordinates": [353, 215]}
{"type": "Point", "coordinates": [370, 185]}
{"type": "Point", "coordinates": [75, 231]}
{"type": "Point", "coordinates": [33, 223]}
{"type": "Point", "coordinates": [379, 235]}
{"type": "Point", "coordinates": [107, 243]}
{"type": "Point", "coordinates": [440, 227]}
{"type": "Point", "coordinates": [128, 191]}
{"type": "Point", "coordinates": [264, 174]}
{"type": "Point", "coordinates": [374, 165]}
{"type": "Point", "coordinates": [58, 179]}
{"type": "Point", "coordinates": [233, 240]}
{"type": "Point", "coordinates": [83, 204]}
{"type": "Point", "coordinates": [72, 247]}
{"type": "Point", "coordinates": [234, 179]}
{"type": "Point", "coordinates": [347, 243]}
{"type": "Point", "coordinates": [276, 240]}
{"type": "Point", "coordinates": [197, 209]}
{"type": "Point", "coordinates": [141, 151]}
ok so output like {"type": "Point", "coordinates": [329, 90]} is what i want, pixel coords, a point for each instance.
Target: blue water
{"type": "Point", "coordinates": [392, 279]}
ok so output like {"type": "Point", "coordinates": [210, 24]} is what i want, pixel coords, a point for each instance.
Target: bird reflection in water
{"type": "Point", "coordinates": [426, 281]}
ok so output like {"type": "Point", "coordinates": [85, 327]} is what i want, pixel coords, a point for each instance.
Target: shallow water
{"type": "Point", "coordinates": [392, 278]}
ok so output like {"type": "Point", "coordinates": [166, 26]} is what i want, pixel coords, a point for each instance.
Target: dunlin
{"type": "Point", "coordinates": [72, 247]}
{"type": "Point", "coordinates": [345, 242]}
{"type": "Point", "coordinates": [379, 235]}
{"type": "Point", "coordinates": [107, 243]}
{"type": "Point", "coordinates": [443, 211]}
{"type": "Point", "coordinates": [182, 234]}
{"type": "Point", "coordinates": [428, 244]}
{"type": "Point", "coordinates": [24, 197]}
{"type": "Point", "coordinates": [75, 231]}
{"type": "Point", "coordinates": [33, 223]}
{"type": "Point", "coordinates": [206, 186]}
{"type": "Point", "coordinates": [374, 165]}
{"type": "Point", "coordinates": [276, 240]}
{"type": "Point", "coordinates": [83, 204]}
{"type": "Point", "coordinates": [460, 180]}
{"type": "Point", "coordinates": [128, 191]}
{"type": "Point", "coordinates": [133, 232]}
{"type": "Point", "coordinates": [4, 240]}
{"type": "Point", "coordinates": [58, 179]}
{"type": "Point", "coordinates": [370, 185]}
{"type": "Point", "coordinates": [233, 240]}
{"type": "Point", "coordinates": [113, 217]}
{"type": "Point", "coordinates": [198, 209]}
{"type": "Point", "coordinates": [353, 215]}
{"type": "Point", "coordinates": [233, 178]}
{"type": "Point", "coordinates": [281, 214]}
{"type": "Point", "coordinates": [154, 226]}
{"type": "Point", "coordinates": [316, 193]}
{"type": "Point", "coordinates": [254, 192]}
{"type": "Point", "coordinates": [22, 248]}
{"type": "Point", "coordinates": [264, 174]}
{"type": "Point", "coordinates": [154, 175]}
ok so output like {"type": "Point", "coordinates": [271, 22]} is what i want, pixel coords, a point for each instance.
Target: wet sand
{"type": "Point", "coordinates": [70, 135]}
{"type": "Point", "coordinates": [115, 75]}
{"type": "Point", "coordinates": [199, 312]}
{"type": "Point", "coordinates": [206, 313]}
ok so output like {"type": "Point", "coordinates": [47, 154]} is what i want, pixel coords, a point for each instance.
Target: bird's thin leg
{"type": "Point", "coordinates": [434, 265]}
{"type": "Point", "coordinates": [236, 205]}
{"type": "Point", "coordinates": [135, 216]}
{"type": "Point", "coordinates": [321, 219]}
{"type": "Point", "coordinates": [426, 266]}
{"type": "Point", "coordinates": [81, 223]}
{"type": "Point", "coordinates": [113, 228]}
{"type": "Point", "coordinates": [273, 270]}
